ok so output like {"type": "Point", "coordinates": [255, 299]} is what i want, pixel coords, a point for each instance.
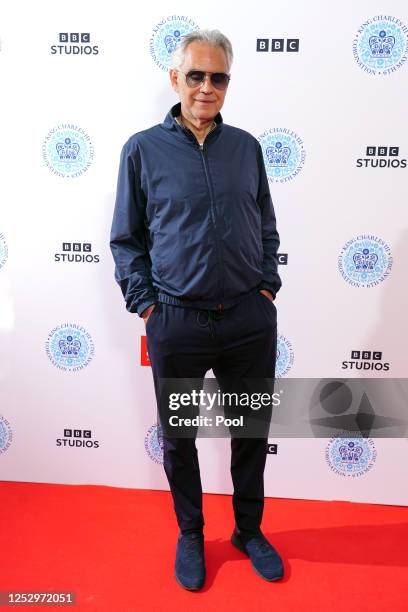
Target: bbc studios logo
{"type": "Point", "coordinates": [381, 157]}
{"type": "Point", "coordinates": [272, 448]}
{"type": "Point", "coordinates": [282, 259]}
{"type": "Point", "coordinates": [77, 438]}
{"type": "Point", "coordinates": [74, 43]}
{"type": "Point", "coordinates": [76, 252]}
{"type": "Point", "coordinates": [366, 360]}
{"type": "Point", "coordinates": [277, 45]}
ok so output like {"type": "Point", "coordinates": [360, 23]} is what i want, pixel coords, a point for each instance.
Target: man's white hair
{"type": "Point", "coordinates": [215, 38]}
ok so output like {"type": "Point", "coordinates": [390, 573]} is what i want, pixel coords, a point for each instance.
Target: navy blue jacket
{"type": "Point", "coordinates": [193, 225]}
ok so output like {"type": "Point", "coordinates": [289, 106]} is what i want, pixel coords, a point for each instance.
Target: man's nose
{"type": "Point", "coordinates": [206, 85]}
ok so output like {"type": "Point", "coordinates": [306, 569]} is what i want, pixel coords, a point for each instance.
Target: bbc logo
{"type": "Point", "coordinates": [367, 355]}
{"type": "Point", "coordinates": [283, 259]}
{"type": "Point", "coordinates": [77, 433]}
{"type": "Point", "coordinates": [383, 151]}
{"type": "Point", "coordinates": [277, 45]}
{"type": "Point", "coordinates": [77, 247]}
{"type": "Point", "coordinates": [74, 37]}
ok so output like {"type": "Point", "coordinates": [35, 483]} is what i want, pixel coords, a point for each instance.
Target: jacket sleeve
{"type": "Point", "coordinates": [127, 237]}
{"type": "Point", "coordinates": [270, 237]}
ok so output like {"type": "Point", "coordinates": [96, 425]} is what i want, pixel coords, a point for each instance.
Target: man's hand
{"type": "Point", "coordinates": [267, 293]}
{"type": "Point", "coordinates": [146, 313]}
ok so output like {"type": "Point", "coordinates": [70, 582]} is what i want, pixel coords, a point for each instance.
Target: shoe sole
{"type": "Point", "coordinates": [238, 544]}
{"type": "Point", "coordinates": [197, 588]}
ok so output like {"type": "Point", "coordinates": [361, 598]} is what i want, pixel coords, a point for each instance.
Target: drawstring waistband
{"type": "Point", "coordinates": [202, 304]}
{"type": "Point", "coordinates": [207, 317]}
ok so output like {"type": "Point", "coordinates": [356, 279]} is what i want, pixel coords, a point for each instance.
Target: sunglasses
{"type": "Point", "coordinates": [219, 80]}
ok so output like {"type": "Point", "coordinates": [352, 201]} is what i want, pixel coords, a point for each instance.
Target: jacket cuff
{"type": "Point", "coordinates": [143, 305]}
{"type": "Point", "coordinates": [268, 287]}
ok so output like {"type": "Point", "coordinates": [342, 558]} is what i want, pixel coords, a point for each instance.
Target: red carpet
{"type": "Point", "coordinates": [115, 549]}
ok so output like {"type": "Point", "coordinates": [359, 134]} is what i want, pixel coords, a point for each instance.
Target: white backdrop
{"type": "Point", "coordinates": [323, 94]}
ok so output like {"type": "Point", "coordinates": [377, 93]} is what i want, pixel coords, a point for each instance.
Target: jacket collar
{"type": "Point", "coordinates": [171, 124]}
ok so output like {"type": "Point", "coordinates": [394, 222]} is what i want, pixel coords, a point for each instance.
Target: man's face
{"type": "Point", "coordinates": [203, 102]}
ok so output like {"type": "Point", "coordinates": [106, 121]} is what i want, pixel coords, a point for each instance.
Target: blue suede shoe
{"type": "Point", "coordinates": [266, 561]}
{"type": "Point", "coordinates": [190, 566]}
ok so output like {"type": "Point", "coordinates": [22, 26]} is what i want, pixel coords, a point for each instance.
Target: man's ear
{"type": "Point", "coordinates": [174, 78]}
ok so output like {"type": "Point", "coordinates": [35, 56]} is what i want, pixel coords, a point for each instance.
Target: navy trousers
{"type": "Point", "coordinates": [235, 343]}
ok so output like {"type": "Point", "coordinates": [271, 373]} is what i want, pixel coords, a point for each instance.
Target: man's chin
{"type": "Point", "coordinates": [205, 114]}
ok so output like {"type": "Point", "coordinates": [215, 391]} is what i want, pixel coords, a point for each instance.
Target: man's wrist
{"type": "Point", "coordinates": [145, 305]}
{"type": "Point", "coordinates": [146, 313]}
{"type": "Point", "coordinates": [268, 286]}
{"type": "Point", "coordinates": [268, 294]}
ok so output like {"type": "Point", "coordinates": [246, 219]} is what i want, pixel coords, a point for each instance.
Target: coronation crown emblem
{"type": "Point", "coordinates": [278, 155]}
{"type": "Point", "coordinates": [350, 453]}
{"type": "Point", "coordinates": [381, 45]}
{"type": "Point", "coordinates": [70, 347]}
{"type": "Point", "coordinates": [67, 150]}
{"type": "Point", "coordinates": [171, 41]}
{"type": "Point", "coordinates": [365, 260]}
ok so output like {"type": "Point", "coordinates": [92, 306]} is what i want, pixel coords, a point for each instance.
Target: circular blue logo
{"type": "Point", "coordinates": [3, 251]}
{"type": "Point", "coordinates": [154, 443]}
{"type": "Point", "coordinates": [283, 153]}
{"type": "Point", "coordinates": [365, 261]}
{"type": "Point", "coordinates": [67, 151]}
{"type": "Point", "coordinates": [6, 435]}
{"type": "Point", "coordinates": [284, 356]}
{"type": "Point", "coordinates": [381, 45]}
{"type": "Point", "coordinates": [350, 456]}
{"type": "Point", "coordinates": [70, 347]}
{"type": "Point", "coordinates": [166, 37]}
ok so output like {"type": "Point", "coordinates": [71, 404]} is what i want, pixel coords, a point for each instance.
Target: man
{"type": "Point", "coordinates": [194, 241]}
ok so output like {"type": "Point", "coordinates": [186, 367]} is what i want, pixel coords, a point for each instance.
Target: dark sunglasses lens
{"type": "Point", "coordinates": [195, 77]}
{"type": "Point", "coordinates": [220, 80]}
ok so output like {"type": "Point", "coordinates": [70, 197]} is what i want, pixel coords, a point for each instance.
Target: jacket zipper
{"type": "Point", "coordinates": [220, 306]}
